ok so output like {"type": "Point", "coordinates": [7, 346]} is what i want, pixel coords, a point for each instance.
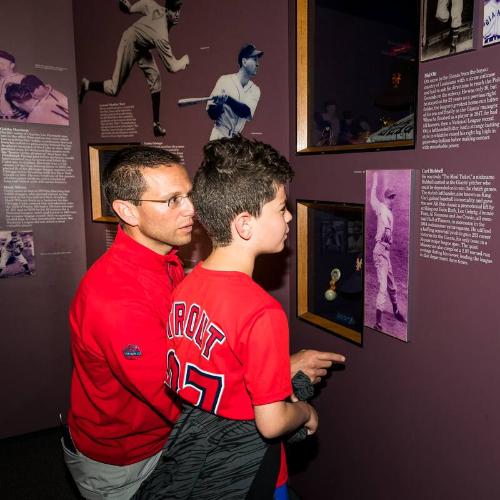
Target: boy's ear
{"type": "Point", "coordinates": [127, 212]}
{"type": "Point", "coordinates": [243, 225]}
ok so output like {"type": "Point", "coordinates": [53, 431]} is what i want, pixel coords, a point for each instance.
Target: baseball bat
{"type": "Point", "coordinates": [189, 101]}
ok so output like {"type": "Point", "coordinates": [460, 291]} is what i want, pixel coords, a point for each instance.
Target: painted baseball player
{"type": "Point", "coordinates": [444, 12]}
{"type": "Point", "coordinates": [491, 24]}
{"type": "Point", "coordinates": [149, 32]}
{"type": "Point", "coordinates": [46, 111]}
{"type": "Point", "coordinates": [12, 252]}
{"type": "Point", "coordinates": [235, 96]}
{"type": "Point", "coordinates": [381, 252]}
{"type": "Point", "coordinates": [8, 75]}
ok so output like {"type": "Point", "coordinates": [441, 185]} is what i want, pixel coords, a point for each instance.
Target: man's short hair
{"type": "Point", "coordinates": [32, 82]}
{"type": "Point", "coordinates": [123, 177]}
{"type": "Point", "coordinates": [173, 5]}
{"type": "Point", "coordinates": [17, 92]}
{"type": "Point", "coordinates": [6, 55]}
{"type": "Point", "coordinates": [237, 175]}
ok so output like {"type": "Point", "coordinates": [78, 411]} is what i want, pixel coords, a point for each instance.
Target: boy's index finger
{"type": "Point", "coordinates": [331, 356]}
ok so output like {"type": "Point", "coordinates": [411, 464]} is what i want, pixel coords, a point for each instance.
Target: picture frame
{"type": "Point", "coordinates": [330, 275]}
{"type": "Point", "coordinates": [381, 114]}
{"type": "Point", "coordinates": [99, 156]}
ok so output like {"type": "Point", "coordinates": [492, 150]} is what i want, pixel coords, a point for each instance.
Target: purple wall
{"type": "Point", "coordinates": [416, 420]}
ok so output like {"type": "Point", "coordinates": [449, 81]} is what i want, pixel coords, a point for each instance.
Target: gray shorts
{"type": "Point", "coordinates": [97, 480]}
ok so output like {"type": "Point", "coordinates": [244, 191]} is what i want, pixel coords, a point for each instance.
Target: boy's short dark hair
{"type": "Point", "coordinates": [237, 175]}
{"type": "Point", "coordinates": [17, 92]}
{"type": "Point", "coordinates": [122, 177]}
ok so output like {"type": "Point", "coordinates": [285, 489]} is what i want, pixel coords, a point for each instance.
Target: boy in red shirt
{"type": "Point", "coordinates": [228, 352]}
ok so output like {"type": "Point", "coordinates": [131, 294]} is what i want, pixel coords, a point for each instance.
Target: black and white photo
{"type": "Point", "coordinates": [17, 254]}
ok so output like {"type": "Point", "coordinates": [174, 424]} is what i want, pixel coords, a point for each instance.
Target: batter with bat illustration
{"type": "Point", "coordinates": [234, 98]}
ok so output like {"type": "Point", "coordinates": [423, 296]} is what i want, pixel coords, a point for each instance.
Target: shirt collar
{"type": "Point", "coordinates": [139, 255]}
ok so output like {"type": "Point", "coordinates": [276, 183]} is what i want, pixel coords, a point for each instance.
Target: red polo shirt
{"type": "Point", "coordinates": [120, 412]}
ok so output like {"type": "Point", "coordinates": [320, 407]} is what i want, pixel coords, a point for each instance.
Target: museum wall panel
{"type": "Point", "coordinates": [416, 420]}
{"type": "Point", "coordinates": [42, 248]}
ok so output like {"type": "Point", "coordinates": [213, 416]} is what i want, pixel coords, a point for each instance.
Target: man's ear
{"type": "Point", "coordinates": [243, 224]}
{"type": "Point", "coordinates": [127, 212]}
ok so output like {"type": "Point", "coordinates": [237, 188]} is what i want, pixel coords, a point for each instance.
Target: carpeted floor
{"type": "Point", "coordinates": [32, 468]}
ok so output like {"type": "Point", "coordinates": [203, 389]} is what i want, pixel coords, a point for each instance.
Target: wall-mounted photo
{"type": "Point", "coordinates": [357, 68]}
{"type": "Point", "coordinates": [387, 232]}
{"type": "Point", "coordinates": [330, 267]}
{"type": "Point", "coordinates": [99, 156]}
{"type": "Point", "coordinates": [26, 98]}
{"type": "Point", "coordinates": [446, 27]}
{"type": "Point", "coordinates": [491, 22]}
{"type": "Point", "coordinates": [17, 254]}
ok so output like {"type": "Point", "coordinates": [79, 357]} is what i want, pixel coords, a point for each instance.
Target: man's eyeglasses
{"type": "Point", "coordinates": [175, 201]}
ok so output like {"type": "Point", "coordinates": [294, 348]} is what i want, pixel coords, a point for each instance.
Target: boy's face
{"type": "Point", "coordinates": [271, 227]}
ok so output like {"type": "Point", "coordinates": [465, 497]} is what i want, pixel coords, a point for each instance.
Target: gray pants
{"type": "Point", "coordinates": [96, 480]}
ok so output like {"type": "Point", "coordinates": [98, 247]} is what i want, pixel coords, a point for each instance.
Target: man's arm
{"type": "Point", "coordinates": [313, 363]}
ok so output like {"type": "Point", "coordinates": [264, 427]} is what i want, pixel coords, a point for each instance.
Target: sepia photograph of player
{"type": "Point", "coordinates": [387, 230]}
{"type": "Point", "coordinates": [17, 254]}
{"type": "Point", "coordinates": [446, 28]}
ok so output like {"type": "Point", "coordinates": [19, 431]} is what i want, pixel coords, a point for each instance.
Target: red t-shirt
{"type": "Point", "coordinates": [120, 411]}
{"type": "Point", "coordinates": [228, 346]}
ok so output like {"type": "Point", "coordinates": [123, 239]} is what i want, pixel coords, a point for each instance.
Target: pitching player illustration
{"type": "Point", "coordinates": [444, 12]}
{"type": "Point", "coordinates": [8, 75]}
{"type": "Point", "coordinates": [12, 252]}
{"type": "Point", "coordinates": [149, 32]}
{"type": "Point", "coordinates": [491, 23]}
{"type": "Point", "coordinates": [381, 252]}
{"type": "Point", "coordinates": [235, 97]}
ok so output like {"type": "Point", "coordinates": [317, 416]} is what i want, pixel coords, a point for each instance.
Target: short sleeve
{"type": "Point", "coordinates": [266, 358]}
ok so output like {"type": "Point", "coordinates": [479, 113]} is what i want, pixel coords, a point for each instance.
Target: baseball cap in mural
{"type": "Point", "coordinates": [390, 193]}
{"type": "Point", "coordinates": [249, 51]}
{"type": "Point", "coordinates": [173, 4]}
{"type": "Point", "coordinates": [6, 55]}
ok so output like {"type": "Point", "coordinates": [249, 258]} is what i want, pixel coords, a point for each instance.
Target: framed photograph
{"type": "Point", "coordinates": [446, 28]}
{"type": "Point", "coordinates": [356, 92]}
{"type": "Point", "coordinates": [99, 156]}
{"type": "Point", "coordinates": [330, 267]}
{"type": "Point", "coordinates": [387, 247]}
{"type": "Point", "coordinates": [491, 22]}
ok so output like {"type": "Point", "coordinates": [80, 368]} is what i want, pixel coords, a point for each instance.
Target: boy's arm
{"type": "Point", "coordinates": [314, 363]}
{"type": "Point", "coordinates": [275, 419]}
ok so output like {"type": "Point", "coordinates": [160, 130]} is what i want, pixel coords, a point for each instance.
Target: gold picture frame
{"type": "Point", "coordinates": [305, 76]}
{"type": "Point", "coordinates": [320, 257]}
{"type": "Point", "coordinates": [99, 156]}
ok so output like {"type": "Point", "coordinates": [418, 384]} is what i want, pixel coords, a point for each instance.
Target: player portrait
{"type": "Point", "coordinates": [235, 96]}
{"type": "Point", "coordinates": [387, 240]}
{"type": "Point", "coordinates": [27, 98]}
{"type": "Point", "coordinates": [17, 254]}
{"type": "Point", "coordinates": [446, 27]}
{"type": "Point", "coordinates": [491, 22]}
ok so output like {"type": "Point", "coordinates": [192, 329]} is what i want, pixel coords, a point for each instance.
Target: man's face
{"type": "Point", "coordinates": [159, 226]}
{"type": "Point", "coordinates": [251, 64]}
{"type": "Point", "coordinates": [271, 228]}
{"type": "Point", "coordinates": [6, 67]}
{"type": "Point", "coordinates": [390, 201]}
{"type": "Point", "coordinates": [173, 16]}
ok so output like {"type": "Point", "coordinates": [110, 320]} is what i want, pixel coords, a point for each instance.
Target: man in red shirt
{"type": "Point", "coordinates": [120, 415]}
